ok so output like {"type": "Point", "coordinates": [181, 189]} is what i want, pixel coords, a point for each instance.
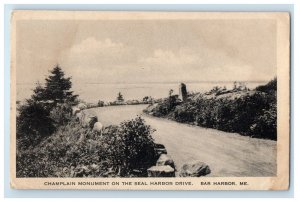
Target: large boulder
{"type": "Point", "coordinates": [159, 146]}
{"type": "Point", "coordinates": [79, 116]}
{"type": "Point", "coordinates": [81, 106]}
{"type": "Point", "coordinates": [75, 110]}
{"type": "Point", "coordinates": [161, 171]}
{"type": "Point", "coordinates": [159, 149]}
{"type": "Point", "coordinates": [98, 127]}
{"type": "Point", "coordinates": [89, 121]}
{"type": "Point", "coordinates": [165, 160]}
{"type": "Point", "coordinates": [194, 169]}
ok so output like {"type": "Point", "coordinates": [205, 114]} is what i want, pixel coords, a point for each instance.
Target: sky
{"type": "Point", "coordinates": [146, 51]}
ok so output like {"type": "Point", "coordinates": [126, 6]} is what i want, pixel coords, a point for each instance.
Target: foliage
{"type": "Point", "coordinates": [124, 150]}
{"type": "Point", "coordinates": [58, 87]}
{"type": "Point", "coordinates": [47, 109]}
{"type": "Point", "coordinates": [235, 115]}
{"type": "Point", "coordinates": [100, 103]}
{"type": "Point", "coordinates": [248, 113]}
{"type": "Point", "coordinates": [270, 87]}
{"type": "Point", "coordinates": [165, 106]}
{"type": "Point", "coordinates": [266, 124]}
{"type": "Point", "coordinates": [33, 123]}
{"type": "Point", "coordinates": [61, 114]}
{"type": "Point", "coordinates": [138, 146]}
{"type": "Point", "coordinates": [148, 99]}
{"type": "Point", "coordinates": [120, 97]}
{"type": "Point", "coordinates": [215, 89]}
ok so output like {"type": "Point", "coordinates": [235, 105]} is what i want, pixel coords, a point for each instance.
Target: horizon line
{"type": "Point", "coordinates": [169, 82]}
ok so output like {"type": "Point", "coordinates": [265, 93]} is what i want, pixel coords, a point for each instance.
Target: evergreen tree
{"type": "Point", "coordinates": [48, 108]}
{"type": "Point", "coordinates": [38, 93]}
{"type": "Point", "coordinates": [57, 88]}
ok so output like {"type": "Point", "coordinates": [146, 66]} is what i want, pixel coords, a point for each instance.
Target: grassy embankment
{"type": "Point", "coordinates": [126, 150]}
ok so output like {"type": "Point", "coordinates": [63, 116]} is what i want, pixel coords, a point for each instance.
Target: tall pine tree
{"type": "Point", "coordinates": [57, 88]}
{"type": "Point", "coordinates": [48, 108]}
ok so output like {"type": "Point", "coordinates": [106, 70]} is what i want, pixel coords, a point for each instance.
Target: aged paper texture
{"type": "Point", "coordinates": [150, 100]}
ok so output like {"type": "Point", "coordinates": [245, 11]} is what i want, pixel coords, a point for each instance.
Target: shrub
{"type": "Point", "coordinates": [265, 125]}
{"type": "Point", "coordinates": [165, 106]}
{"type": "Point", "coordinates": [33, 124]}
{"type": "Point", "coordinates": [184, 113]}
{"type": "Point", "coordinates": [138, 147]}
{"type": "Point", "coordinates": [61, 114]}
{"type": "Point", "coordinates": [248, 113]}
{"type": "Point", "coordinates": [269, 87]}
{"type": "Point", "coordinates": [73, 151]}
{"type": "Point", "coordinates": [100, 103]}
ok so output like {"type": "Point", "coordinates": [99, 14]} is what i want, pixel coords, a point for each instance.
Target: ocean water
{"type": "Point", "coordinates": [92, 93]}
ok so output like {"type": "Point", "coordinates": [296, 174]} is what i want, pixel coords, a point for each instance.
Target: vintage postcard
{"type": "Point", "coordinates": [150, 100]}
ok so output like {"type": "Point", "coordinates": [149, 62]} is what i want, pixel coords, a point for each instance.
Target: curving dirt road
{"type": "Point", "coordinates": [227, 154]}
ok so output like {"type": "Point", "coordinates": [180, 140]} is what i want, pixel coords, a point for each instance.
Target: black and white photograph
{"type": "Point", "coordinates": [194, 98]}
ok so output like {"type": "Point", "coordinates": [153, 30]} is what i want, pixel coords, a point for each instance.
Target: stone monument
{"type": "Point", "coordinates": [182, 92]}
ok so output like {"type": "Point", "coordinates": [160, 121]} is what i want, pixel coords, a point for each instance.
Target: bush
{"type": "Point", "coordinates": [61, 114]}
{"type": "Point", "coordinates": [265, 125]}
{"type": "Point", "coordinates": [100, 103]}
{"type": "Point", "coordinates": [139, 153]}
{"type": "Point", "coordinates": [248, 113]}
{"type": "Point", "coordinates": [165, 106]}
{"type": "Point", "coordinates": [243, 115]}
{"type": "Point", "coordinates": [33, 124]}
{"type": "Point", "coordinates": [270, 87]}
{"type": "Point", "coordinates": [73, 151]}
{"type": "Point", "coordinates": [185, 113]}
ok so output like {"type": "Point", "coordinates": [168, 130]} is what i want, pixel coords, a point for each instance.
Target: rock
{"type": "Point", "coordinates": [75, 110]}
{"type": "Point", "coordinates": [159, 151]}
{"type": "Point", "coordinates": [79, 116]}
{"type": "Point", "coordinates": [194, 169]}
{"type": "Point", "coordinates": [161, 171]}
{"type": "Point", "coordinates": [159, 146]}
{"type": "Point", "coordinates": [81, 106]}
{"type": "Point", "coordinates": [165, 160]}
{"type": "Point", "coordinates": [88, 119]}
{"type": "Point", "coordinates": [98, 127]}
